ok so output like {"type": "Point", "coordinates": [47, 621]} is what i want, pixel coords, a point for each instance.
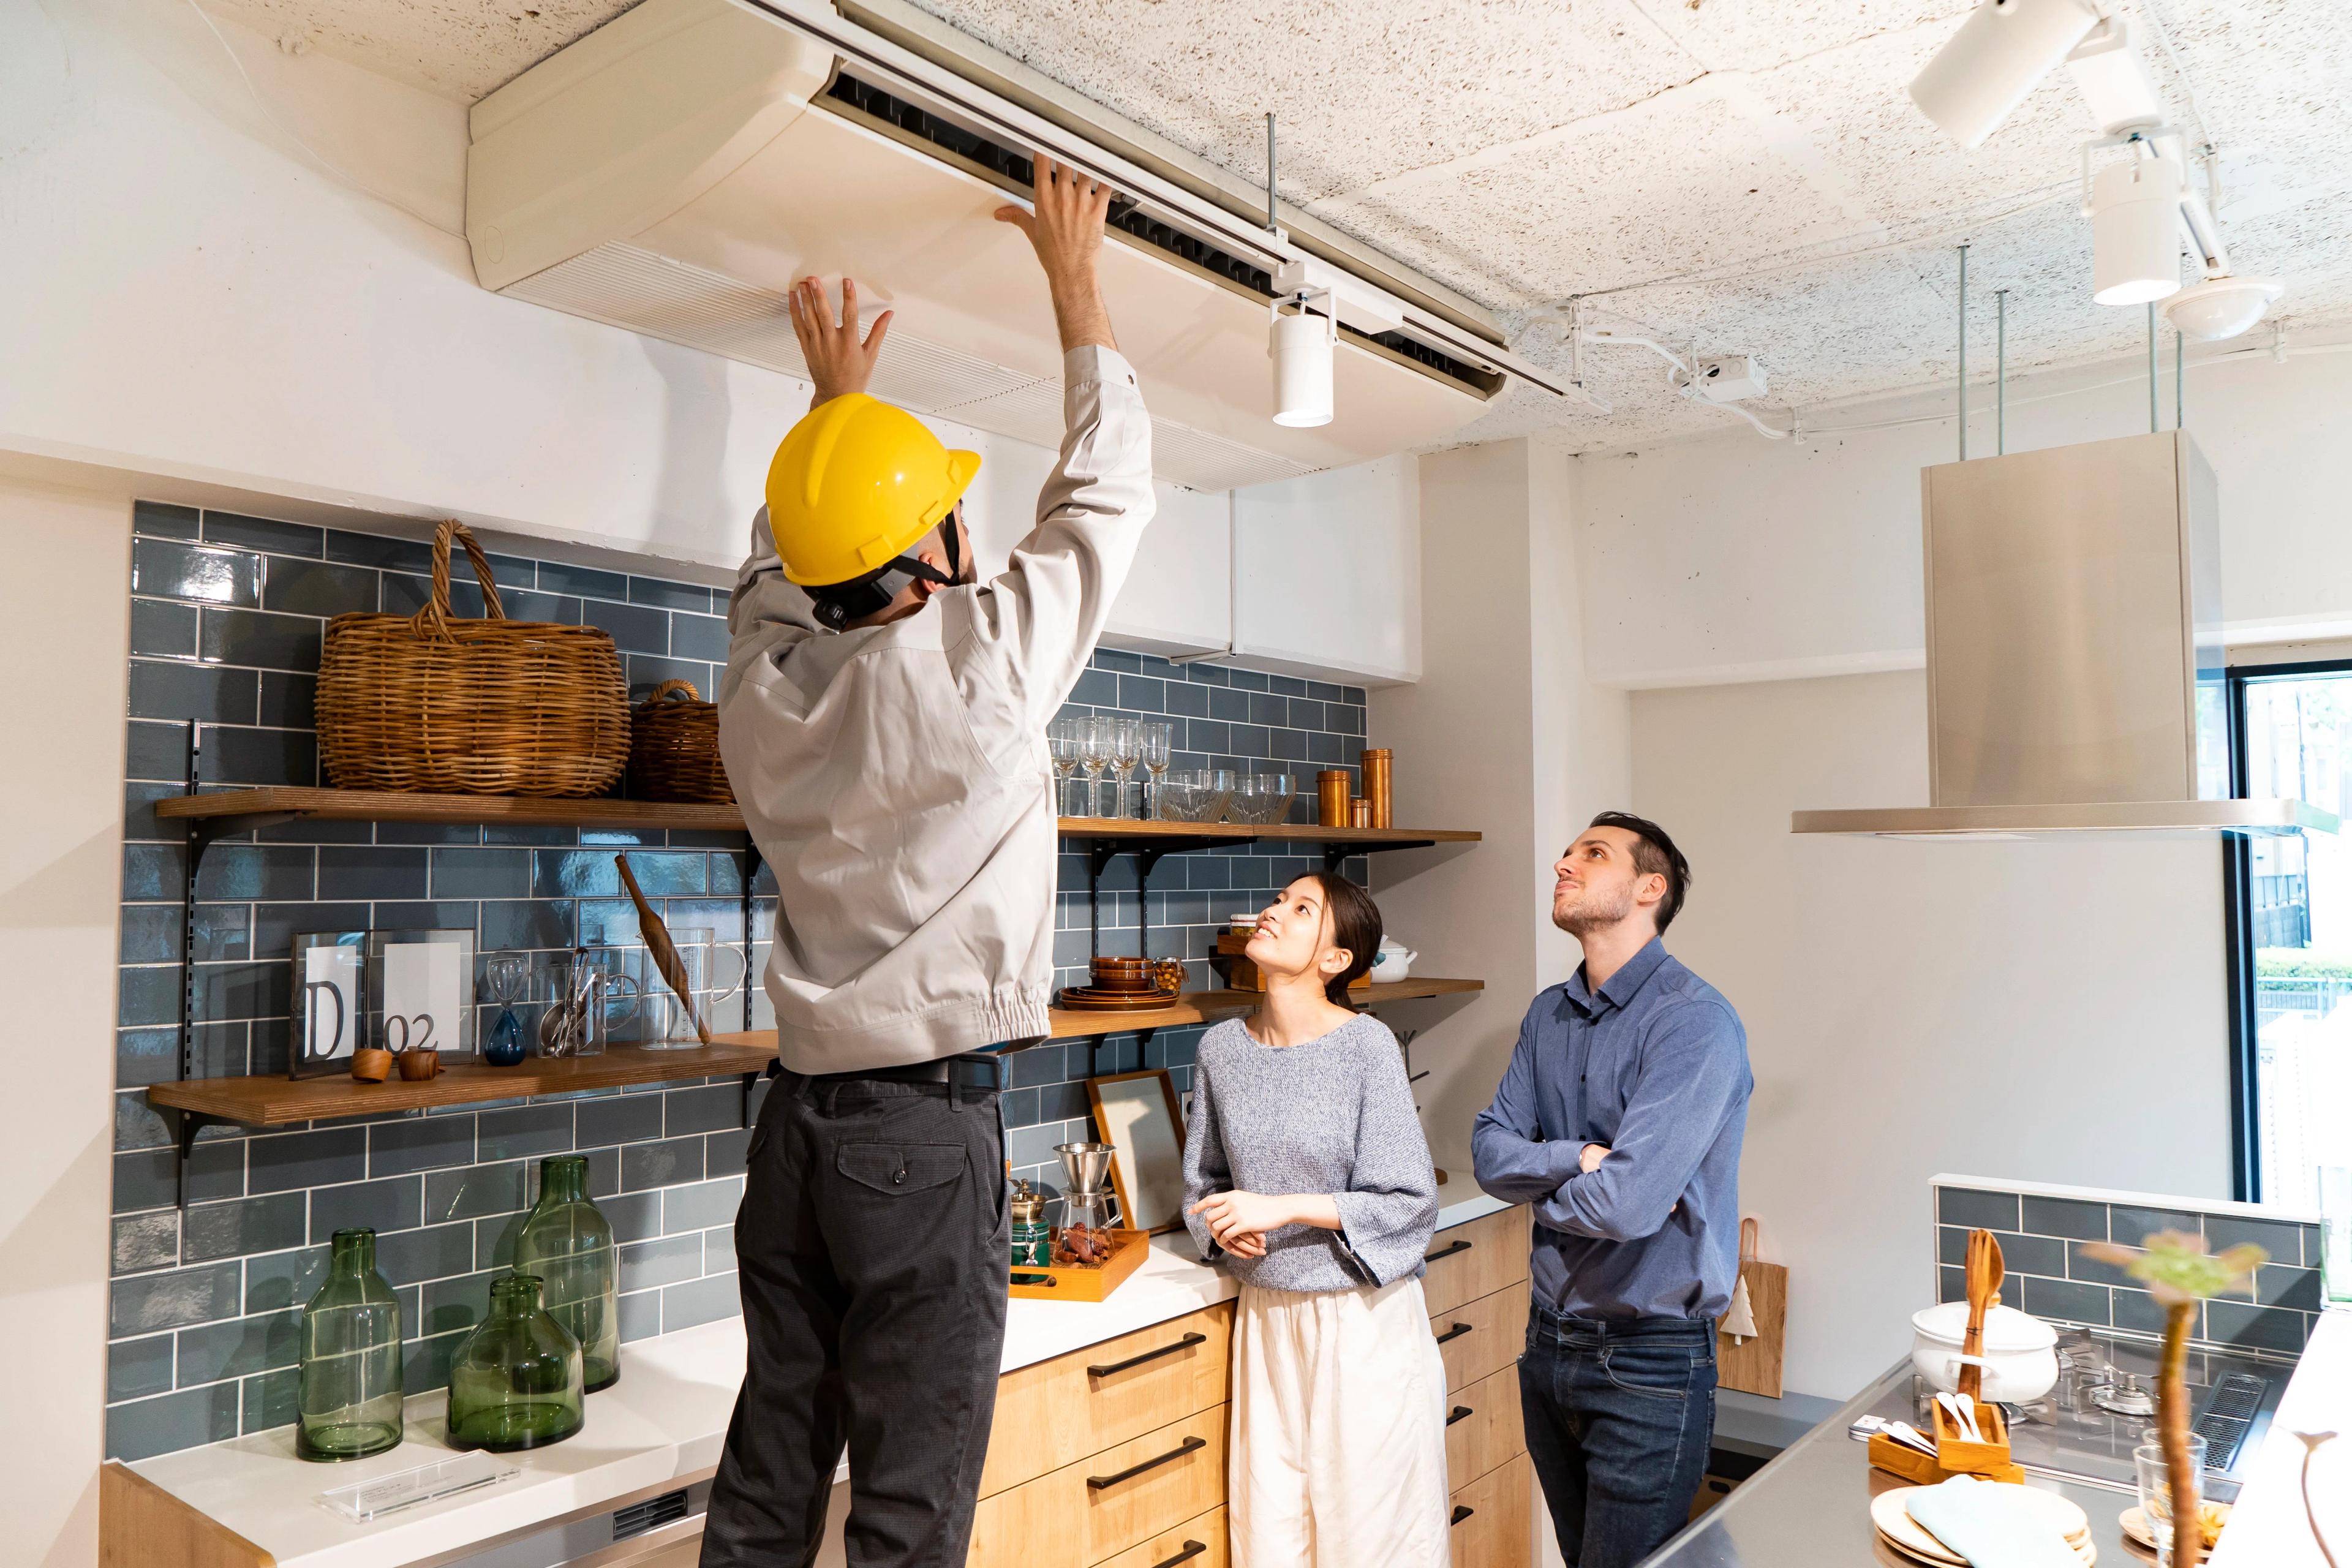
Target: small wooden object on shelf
{"type": "Point", "coordinates": [419, 1067]}
{"type": "Point", "coordinates": [369, 1064]}
{"type": "Point", "coordinates": [1070, 1282]}
{"type": "Point", "coordinates": [1960, 1455]}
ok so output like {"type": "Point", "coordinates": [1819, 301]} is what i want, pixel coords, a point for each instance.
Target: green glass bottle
{"type": "Point", "coordinates": [349, 1402]}
{"type": "Point", "coordinates": [568, 1243]}
{"type": "Point", "coordinates": [516, 1383]}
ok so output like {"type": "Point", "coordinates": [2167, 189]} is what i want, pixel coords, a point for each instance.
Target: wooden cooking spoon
{"type": "Point", "coordinates": [1984, 1277]}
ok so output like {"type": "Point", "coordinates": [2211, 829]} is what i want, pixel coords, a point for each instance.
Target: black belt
{"type": "Point", "coordinates": [978, 1070]}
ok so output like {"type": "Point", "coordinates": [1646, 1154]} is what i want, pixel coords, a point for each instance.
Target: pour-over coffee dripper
{"type": "Point", "coordinates": [1084, 1235]}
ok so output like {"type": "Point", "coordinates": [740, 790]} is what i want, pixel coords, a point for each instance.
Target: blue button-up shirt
{"type": "Point", "coordinates": [1654, 1066]}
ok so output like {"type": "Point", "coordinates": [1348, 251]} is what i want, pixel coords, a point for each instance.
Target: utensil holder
{"type": "Point", "coordinates": [1902, 1459]}
{"type": "Point", "coordinates": [1962, 1456]}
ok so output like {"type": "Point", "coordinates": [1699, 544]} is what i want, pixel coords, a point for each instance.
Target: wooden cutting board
{"type": "Point", "coordinates": [1753, 1365]}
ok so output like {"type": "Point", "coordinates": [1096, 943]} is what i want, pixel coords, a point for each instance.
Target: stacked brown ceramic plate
{"type": "Point", "coordinates": [1127, 986]}
{"type": "Point", "coordinates": [1890, 1512]}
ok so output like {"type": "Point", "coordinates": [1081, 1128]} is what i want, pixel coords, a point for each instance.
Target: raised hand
{"type": "Point", "coordinates": [837, 362]}
{"type": "Point", "coordinates": [1066, 231]}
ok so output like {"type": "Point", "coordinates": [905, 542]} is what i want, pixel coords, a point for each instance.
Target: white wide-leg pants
{"type": "Point", "coordinates": [1338, 1437]}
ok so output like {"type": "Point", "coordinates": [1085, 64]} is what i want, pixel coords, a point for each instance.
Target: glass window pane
{"type": "Point", "coordinates": [2298, 745]}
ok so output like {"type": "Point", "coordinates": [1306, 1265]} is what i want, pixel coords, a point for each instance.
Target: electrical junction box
{"type": "Point", "coordinates": [1730, 379]}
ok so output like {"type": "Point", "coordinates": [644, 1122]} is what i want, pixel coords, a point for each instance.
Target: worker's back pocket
{"type": "Point", "coordinates": [895, 1168]}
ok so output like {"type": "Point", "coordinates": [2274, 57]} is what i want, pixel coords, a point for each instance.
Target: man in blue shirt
{"type": "Point", "coordinates": [1619, 1121]}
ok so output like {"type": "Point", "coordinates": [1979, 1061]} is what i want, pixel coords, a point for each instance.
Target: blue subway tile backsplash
{"type": "Point", "coordinates": [228, 612]}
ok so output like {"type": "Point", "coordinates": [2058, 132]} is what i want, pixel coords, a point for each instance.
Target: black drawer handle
{"type": "Point", "coordinates": [1458, 1412]}
{"type": "Point", "coordinates": [1447, 1251]}
{"type": "Point", "coordinates": [1191, 1549]}
{"type": "Point", "coordinates": [1455, 1333]}
{"type": "Point", "coordinates": [1461, 1513]}
{"type": "Point", "coordinates": [1187, 1342]}
{"type": "Point", "coordinates": [1190, 1445]}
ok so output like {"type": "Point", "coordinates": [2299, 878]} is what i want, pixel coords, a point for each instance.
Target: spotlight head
{"type": "Point", "coordinates": [2219, 307]}
{"type": "Point", "coordinates": [2135, 231]}
{"type": "Point", "coordinates": [1301, 343]}
{"type": "Point", "coordinates": [2000, 54]}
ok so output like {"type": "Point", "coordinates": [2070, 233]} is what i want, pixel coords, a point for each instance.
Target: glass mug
{"type": "Point", "coordinates": [666, 1025]}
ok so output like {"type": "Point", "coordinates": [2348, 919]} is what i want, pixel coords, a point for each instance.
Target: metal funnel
{"type": "Point", "coordinates": [1087, 1164]}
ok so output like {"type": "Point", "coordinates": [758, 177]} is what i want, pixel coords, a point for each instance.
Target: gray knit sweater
{"type": "Point", "coordinates": [1332, 1115]}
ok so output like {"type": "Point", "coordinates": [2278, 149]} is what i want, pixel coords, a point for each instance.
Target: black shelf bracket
{"type": "Point", "coordinates": [748, 858]}
{"type": "Point", "coordinates": [1147, 853]}
{"type": "Point", "coordinates": [203, 832]}
{"type": "Point", "coordinates": [1095, 1043]}
{"type": "Point", "coordinates": [183, 1126]}
{"type": "Point", "coordinates": [1337, 855]}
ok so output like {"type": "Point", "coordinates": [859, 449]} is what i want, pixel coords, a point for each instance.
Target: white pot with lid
{"type": "Point", "coordinates": [2020, 1359]}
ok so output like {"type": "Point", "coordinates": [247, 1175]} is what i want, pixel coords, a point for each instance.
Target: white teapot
{"type": "Point", "coordinates": [1393, 961]}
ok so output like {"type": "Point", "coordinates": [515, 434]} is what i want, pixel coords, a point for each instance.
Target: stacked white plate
{"type": "Point", "coordinates": [1891, 1515]}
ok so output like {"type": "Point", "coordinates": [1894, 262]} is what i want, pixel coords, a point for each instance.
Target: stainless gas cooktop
{"type": "Point", "coordinates": [2086, 1427]}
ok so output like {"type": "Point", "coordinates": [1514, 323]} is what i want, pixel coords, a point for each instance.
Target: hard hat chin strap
{"type": "Point", "coordinates": [838, 604]}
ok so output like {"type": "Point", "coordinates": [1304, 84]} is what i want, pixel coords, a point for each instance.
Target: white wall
{"type": "Point", "coordinates": [1729, 557]}
{"type": "Point", "coordinates": [2039, 1010]}
{"type": "Point", "coordinates": [64, 639]}
{"type": "Point", "coordinates": [1502, 734]}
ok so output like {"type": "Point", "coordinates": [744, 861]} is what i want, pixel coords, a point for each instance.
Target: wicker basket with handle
{"type": "Point", "coordinates": [431, 703]}
{"type": "Point", "coordinates": [674, 747]}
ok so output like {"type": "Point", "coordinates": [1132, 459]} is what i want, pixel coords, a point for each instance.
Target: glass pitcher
{"type": "Point", "coordinates": [349, 1402]}
{"type": "Point", "coordinates": [517, 1382]}
{"type": "Point", "coordinates": [566, 1241]}
{"type": "Point", "coordinates": [667, 1026]}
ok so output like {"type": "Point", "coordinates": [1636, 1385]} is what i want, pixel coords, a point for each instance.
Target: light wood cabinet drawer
{"type": "Point", "coordinates": [1490, 1518]}
{"type": "Point", "coordinates": [1058, 1412]}
{"type": "Point", "coordinates": [1480, 1338]}
{"type": "Point", "coordinates": [1475, 1260]}
{"type": "Point", "coordinates": [1195, 1543]}
{"type": "Point", "coordinates": [1482, 1426]}
{"type": "Point", "coordinates": [1105, 1504]}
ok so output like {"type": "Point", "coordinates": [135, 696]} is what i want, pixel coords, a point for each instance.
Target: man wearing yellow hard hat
{"type": "Point", "coordinates": [882, 719]}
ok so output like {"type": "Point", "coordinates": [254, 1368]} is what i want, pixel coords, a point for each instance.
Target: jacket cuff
{"type": "Point", "coordinates": [1097, 364]}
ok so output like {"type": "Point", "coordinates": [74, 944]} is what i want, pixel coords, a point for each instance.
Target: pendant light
{"type": "Point", "coordinates": [1301, 344]}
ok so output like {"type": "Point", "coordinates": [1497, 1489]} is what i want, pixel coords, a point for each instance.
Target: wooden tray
{"type": "Point", "coordinates": [1067, 1282]}
{"type": "Point", "coordinates": [1087, 999]}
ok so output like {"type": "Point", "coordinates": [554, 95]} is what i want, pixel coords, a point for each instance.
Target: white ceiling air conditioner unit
{"type": "Point", "coordinates": [675, 171]}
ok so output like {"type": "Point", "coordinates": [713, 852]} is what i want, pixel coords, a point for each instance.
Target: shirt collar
{"type": "Point", "coordinates": [1621, 986]}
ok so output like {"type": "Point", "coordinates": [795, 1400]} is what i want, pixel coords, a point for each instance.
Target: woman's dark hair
{"type": "Point", "coordinates": [1654, 852]}
{"type": "Point", "coordinates": [1355, 925]}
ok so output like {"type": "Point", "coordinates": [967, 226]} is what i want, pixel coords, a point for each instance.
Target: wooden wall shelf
{"type": "Point", "coordinates": [280, 1101]}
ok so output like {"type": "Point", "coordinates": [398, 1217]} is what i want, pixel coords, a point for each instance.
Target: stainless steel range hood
{"type": "Point", "coordinates": [2075, 659]}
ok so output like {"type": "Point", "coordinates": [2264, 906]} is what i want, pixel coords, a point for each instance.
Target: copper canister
{"type": "Point", "coordinates": [1376, 784]}
{"type": "Point", "coordinates": [1359, 813]}
{"type": "Point", "coordinates": [1332, 790]}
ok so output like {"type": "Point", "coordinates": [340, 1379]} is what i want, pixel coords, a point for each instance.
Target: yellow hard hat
{"type": "Point", "coordinates": [855, 484]}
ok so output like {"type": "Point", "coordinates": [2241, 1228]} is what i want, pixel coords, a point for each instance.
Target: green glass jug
{"type": "Point", "coordinates": [349, 1404]}
{"type": "Point", "coordinates": [568, 1243]}
{"type": "Point", "coordinates": [516, 1383]}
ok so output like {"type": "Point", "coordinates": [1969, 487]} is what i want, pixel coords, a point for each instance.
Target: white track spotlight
{"type": "Point", "coordinates": [2219, 307]}
{"type": "Point", "coordinates": [1301, 344]}
{"type": "Point", "coordinates": [2136, 230]}
{"type": "Point", "coordinates": [1999, 55]}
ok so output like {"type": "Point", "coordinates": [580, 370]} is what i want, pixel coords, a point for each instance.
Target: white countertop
{"type": "Point", "coordinates": [664, 1421]}
{"type": "Point", "coordinates": [2267, 1529]}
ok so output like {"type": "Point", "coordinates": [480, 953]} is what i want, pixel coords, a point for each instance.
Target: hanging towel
{"type": "Point", "coordinates": [1991, 1525]}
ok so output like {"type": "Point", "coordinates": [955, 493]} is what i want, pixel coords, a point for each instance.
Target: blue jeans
{"type": "Point", "coordinates": [1620, 1415]}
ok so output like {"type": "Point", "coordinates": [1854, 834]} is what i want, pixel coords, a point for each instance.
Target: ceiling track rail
{"type": "Point", "coordinates": [905, 74]}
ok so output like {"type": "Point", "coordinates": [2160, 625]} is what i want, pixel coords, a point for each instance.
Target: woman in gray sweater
{"type": "Point", "coordinates": [1307, 1176]}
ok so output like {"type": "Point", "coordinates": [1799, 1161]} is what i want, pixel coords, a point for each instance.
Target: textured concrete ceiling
{"type": "Point", "coordinates": [1738, 176]}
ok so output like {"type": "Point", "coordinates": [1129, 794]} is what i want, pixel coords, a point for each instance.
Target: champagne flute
{"type": "Point", "coordinates": [1126, 751]}
{"type": "Point", "coordinates": [1093, 753]}
{"type": "Point", "coordinates": [1062, 740]}
{"type": "Point", "coordinates": [1156, 739]}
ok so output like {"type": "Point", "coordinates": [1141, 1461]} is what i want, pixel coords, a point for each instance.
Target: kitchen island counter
{"type": "Point", "coordinates": [661, 1426]}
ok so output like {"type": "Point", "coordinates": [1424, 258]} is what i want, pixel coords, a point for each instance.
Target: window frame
{"type": "Point", "coordinates": [2238, 935]}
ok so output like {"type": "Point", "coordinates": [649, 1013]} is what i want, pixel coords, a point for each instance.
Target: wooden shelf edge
{"type": "Point", "coordinates": [276, 1101]}
{"type": "Point", "coordinates": [374, 806]}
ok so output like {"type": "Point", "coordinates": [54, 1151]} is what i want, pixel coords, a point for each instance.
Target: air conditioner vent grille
{"type": "Point", "coordinates": [639, 1518]}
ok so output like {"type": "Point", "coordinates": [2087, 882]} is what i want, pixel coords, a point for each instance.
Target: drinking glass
{"type": "Point", "coordinates": [1279, 790]}
{"type": "Point", "coordinates": [1062, 743]}
{"type": "Point", "coordinates": [2156, 1490]}
{"type": "Point", "coordinates": [1157, 741]}
{"type": "Point", "coordinates": [1093, 753]}
{"type": "Point", "coordinates": [2335, 1232]}
{"type": "Point", "coordinates": [1126, 751]}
